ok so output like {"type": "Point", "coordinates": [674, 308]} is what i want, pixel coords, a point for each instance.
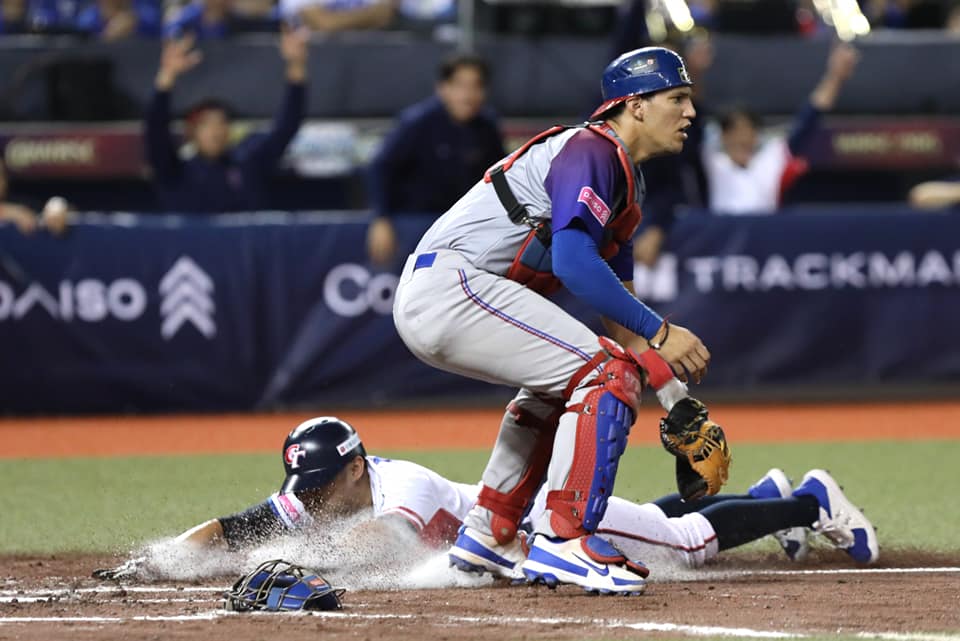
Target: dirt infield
{"type": "Point", "coordinates": [44, 598]}
{"type": "Point", "coordinates": [451, 429]}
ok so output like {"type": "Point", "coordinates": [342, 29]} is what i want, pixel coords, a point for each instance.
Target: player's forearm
{"type": "Point", "coordinates": [824, 95]}
{"type": "Point", "coordinates": [935, 195]}
{"type": "Point", "coordinates": [577, 263]}
{"type": "Point", "coordinates": [208, 534]}
{"type": "Point", "coordinates": [158, 142]}
{"type": "Point", "coordinates": [296, 73]}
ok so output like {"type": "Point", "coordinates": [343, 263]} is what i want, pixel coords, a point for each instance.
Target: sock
{"type": "Point", "coordinates": [673, 506]}
{"type": "Point", "coordinates": [741, 521]}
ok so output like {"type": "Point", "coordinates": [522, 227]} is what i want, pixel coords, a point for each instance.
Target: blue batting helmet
{"type": "Point", "coordinates": [638, 72]}
{"type": "Point", "coordinates": [316, 450]}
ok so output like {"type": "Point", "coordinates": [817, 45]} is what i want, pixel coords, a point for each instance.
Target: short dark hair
{"type": "Point", "coordinates": [454, 63]}
{"type": "Point", "coordinates": [614, 111]}
{"type": "Point", "coordinates": [208, 104]}
{"type": "Point", "coordinates": [730, 114]}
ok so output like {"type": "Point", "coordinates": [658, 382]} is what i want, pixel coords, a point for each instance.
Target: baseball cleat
{"type": "Point", "coordinates": [775, 485]}
{"type": "Point", "coordinates": [589, 561]}
{"type": "Point", "coordinates": [840, 522]}
{"type": "Point", "coordinates": [478, 553]}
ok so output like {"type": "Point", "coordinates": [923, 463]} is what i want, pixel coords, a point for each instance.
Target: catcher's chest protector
{"type": "Point", "coordinates": [532, 266]}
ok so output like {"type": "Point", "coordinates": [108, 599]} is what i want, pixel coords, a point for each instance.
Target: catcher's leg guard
{"type": "Point", "coordinates": [524, 443]}
{"type": "Point", "coordinates": [591, 438]}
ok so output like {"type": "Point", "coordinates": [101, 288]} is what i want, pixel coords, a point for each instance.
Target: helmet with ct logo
{"type": "Point", "coordinates": [316, 450]}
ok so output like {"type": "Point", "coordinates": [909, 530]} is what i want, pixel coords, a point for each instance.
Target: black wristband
{"type": "Point", "coordinates": [666, 335]}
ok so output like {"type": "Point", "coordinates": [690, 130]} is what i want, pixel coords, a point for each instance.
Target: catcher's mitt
{"type": "Point", "coordinates": [700, 446]}
{"type": "Point", "coordinates": [278, 586]}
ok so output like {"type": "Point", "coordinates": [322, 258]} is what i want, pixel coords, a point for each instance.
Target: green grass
{"type": "Point", "coordinates": [107, 505]}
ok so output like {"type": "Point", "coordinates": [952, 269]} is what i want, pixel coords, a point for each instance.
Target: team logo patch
{"type": "Point", "coordinates": [682, 72]}
{"type": "Point", "coordinates": [348, 444]}
{"type": "Point", "coordinates": [643, 65]}
{"type": "Point", "coordinates": [293, 454]}
{"type": "Point", "coordinates": [595, 204]}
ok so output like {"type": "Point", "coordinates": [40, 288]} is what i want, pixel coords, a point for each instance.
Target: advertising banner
{"type": "Point", "coordinates": [131, 313]}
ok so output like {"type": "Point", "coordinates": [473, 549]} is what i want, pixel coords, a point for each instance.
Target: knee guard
{"type": "Point", "coordinates": [605, 410]}
{"type": "Point", "coordinates": [508, 508]}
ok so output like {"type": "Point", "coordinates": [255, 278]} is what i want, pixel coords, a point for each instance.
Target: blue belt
{"type": "Point", "coordinates": [424, 260]}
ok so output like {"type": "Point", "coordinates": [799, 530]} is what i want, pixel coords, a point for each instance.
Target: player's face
{"type": "Point", "coordinates": [667, 117]}
{"type": "Point", "coordinates": [211, 133]}
{"type": "Point", "coordinates": [464, 93]}
{"type": "Point", "coordinates": [339, 498]}
{"type": "Point", "coordinates": [740, 141]}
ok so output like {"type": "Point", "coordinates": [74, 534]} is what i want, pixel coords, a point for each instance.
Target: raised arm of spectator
{"type": "Point", "coordinates": [374, 16]}
{"type": "Point", "coordinates": [176, 58]}
{"type": "Point", "coordinates": [842, 61]}
{"type": "Point", "coordinates": [294, 50]}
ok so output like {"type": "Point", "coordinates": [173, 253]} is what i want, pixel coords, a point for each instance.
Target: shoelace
{"type": "Point", "coordinates": [837, 530]}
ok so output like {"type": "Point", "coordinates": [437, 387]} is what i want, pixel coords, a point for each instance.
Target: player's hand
{"type": "Point", "coordinates": [381, 241]}
{"type": "Point", "coordinates": [126, 570]}
{"type": "Point", "coordinates": [294, 50]}
{"type": "Point", "coordinates": [176, 58]}
{"type": "Point", "coordinates": [55, 216]}
{"type": "Point", "coordinates": [685, 353]}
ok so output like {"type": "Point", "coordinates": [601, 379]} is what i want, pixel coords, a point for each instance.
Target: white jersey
{"type": "Point", "coordinates": [435, 506]}
{"type": "Point", "coordinates": [754, 189]}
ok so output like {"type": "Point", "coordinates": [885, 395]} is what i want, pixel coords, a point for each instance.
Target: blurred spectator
{"type": "Point", "coordinates": [908, 14]}
{"type": "Point", "coordinates": [340, 15]}
{"type": "Point", "coordinates": [13, 17]}
{"type": "Point", "coordinates": [21, 215]}
{"type": "Point", "coordinates": [118, 19]}
{"type": "Point", "coordinates": [747, 176]}
{"type": "Point", "coordinates": [218, 178]}
{"type": "Point", "coordinates": [953, 19]}
{"type": "Point", "coordinates": [22, 211]}
{"type": "Point", "coordinates": [203, 19]}
{"type": "Point", "coordinates": [936, 194]}
{"type": "Point", "coordinates": [38, 16]}
{"type": "Point", "coordinates": [677, 180]}
{"type": "Point", "coordinates": [439, 148]}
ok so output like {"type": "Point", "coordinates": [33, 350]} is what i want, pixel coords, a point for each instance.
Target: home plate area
{"type": "Point", "coordinates": [908, 597]}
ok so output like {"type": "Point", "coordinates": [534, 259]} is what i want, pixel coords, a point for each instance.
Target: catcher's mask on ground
{"type": "Point", "coordinates": [316, 451]}
{"type": "Point", "coordinates": [281, 586]}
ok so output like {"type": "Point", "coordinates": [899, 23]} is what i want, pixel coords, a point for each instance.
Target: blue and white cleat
{"type": "Point", "coordinates": [478, 553]}
{"type": "Point", "coordinates": [840, 522]}
{"type": "Point", "coordinates": [589, 561]}
{"type": "Point", "coordinates": [795, 541]}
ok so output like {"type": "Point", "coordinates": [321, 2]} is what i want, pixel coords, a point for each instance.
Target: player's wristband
{"type": "Point", "coordinates": [666, 334]}
{"type": "Point", "coordinates": [658, 370]}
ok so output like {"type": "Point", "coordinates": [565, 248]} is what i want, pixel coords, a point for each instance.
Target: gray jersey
{"type": "Point", "coordinates": [572, 175]}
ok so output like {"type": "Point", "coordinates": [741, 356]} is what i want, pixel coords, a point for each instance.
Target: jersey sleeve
{"type": "Point", "coordinates": [582, 183]}
{"type": "Point", "coordinates": [622, 262]}
{"type": "Point", "coordinates": [278, 514]}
